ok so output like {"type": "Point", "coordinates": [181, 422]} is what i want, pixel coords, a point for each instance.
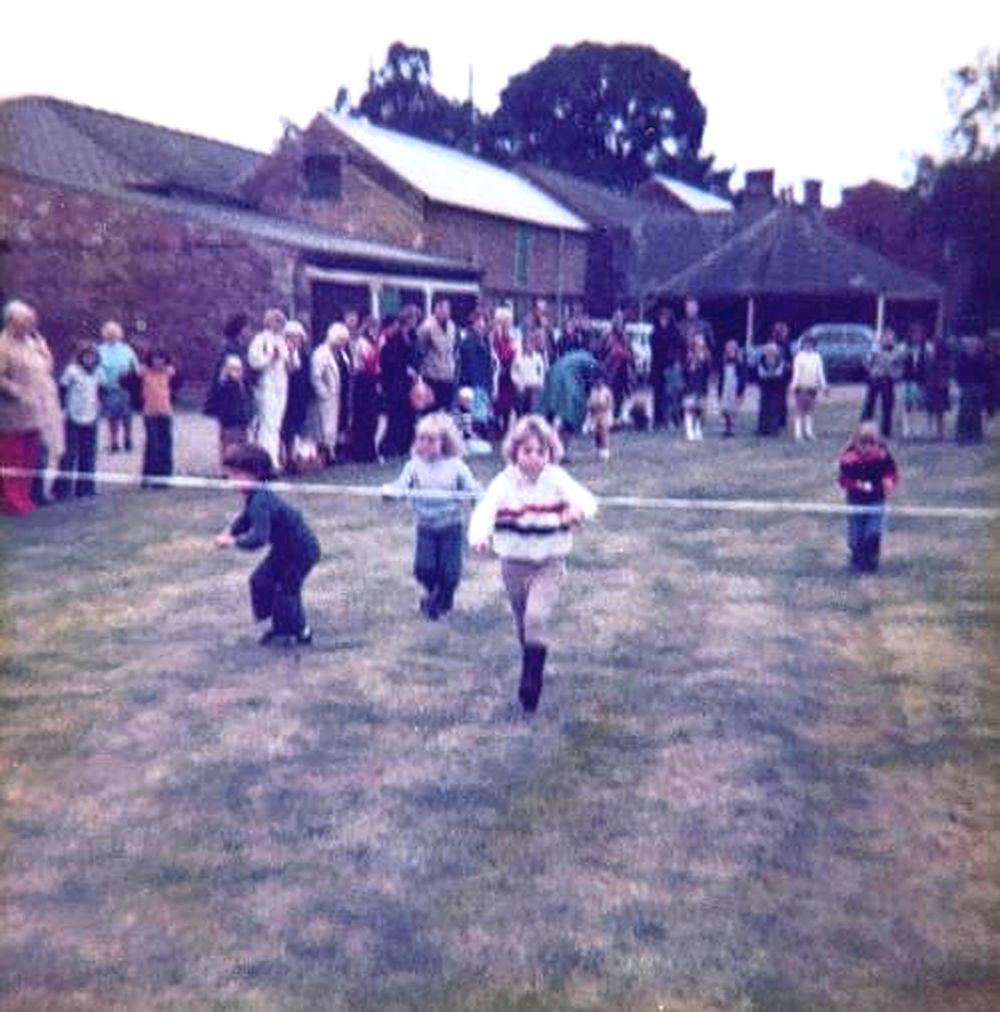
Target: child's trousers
{"type": "Point", "coordinates": [276, 593]}
{"type": "Point", "coordinates": [533, 590]}
{"type": "Point", "coordinates": [438, 562]}
{"type": "Point", "coordinates": [864, 538]}
{"type": "Point", "coordinates": [158, 456]}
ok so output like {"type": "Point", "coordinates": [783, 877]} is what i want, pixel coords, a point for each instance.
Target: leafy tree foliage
{"type": "Point", "coordinates": [957, 198]}
{"type": "Point", "coordinates": [400, 96]}
{"type": "Point", "coordinates": [611, 114]}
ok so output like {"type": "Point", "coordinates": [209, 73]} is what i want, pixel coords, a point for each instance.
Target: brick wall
{"type": "Point", "coordinates": [492, 243]}
{"type": "Point", "coordinates": [81, 258]}
{"type": "Point", "coordinates": [372, 205]}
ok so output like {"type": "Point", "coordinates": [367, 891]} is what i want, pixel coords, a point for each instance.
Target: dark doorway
{"type": "Point", "coordinates": [331, 300]}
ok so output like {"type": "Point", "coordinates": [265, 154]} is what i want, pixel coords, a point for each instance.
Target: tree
{"type": "Point", "coordinates": [400, 96]}
{"type": "Point", "coordinates": [975, 101]}
{"type": "Point", "coordinates": [612, 114]}
{"type": "Point", "coordinates": [956, 200]}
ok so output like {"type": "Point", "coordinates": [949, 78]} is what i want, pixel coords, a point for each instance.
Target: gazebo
{"type": "Point", "coordinates": [798, 266]}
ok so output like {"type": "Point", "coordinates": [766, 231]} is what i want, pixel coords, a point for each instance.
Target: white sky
{"type": "Point", "coordinates": [842, 92]}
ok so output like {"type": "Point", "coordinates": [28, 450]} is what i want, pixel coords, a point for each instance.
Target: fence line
{"type": "Point", "coordinates": [608, 501]}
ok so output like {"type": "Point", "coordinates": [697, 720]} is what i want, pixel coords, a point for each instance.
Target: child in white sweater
{"type": "Point", "coordinates": [808, 379]}
{"type": "Point", "coordinates": [437, 468]}
{"type": "Point", "coordinates": [529, 511]}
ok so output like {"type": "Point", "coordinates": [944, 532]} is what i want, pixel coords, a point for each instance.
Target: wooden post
{"type": "Point", "coordinates": [750, 322]}
{"type": "Point", "coordinates": [559, 277]}
{"type": "Point", "coordinates": [880, 315]}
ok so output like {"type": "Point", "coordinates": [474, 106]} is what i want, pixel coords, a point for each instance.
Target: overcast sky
{"type": "Point", "coordinates": [843, 92]}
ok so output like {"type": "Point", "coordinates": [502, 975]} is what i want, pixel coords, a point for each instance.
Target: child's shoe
{"type": "Point", "coordinates": [604, 454]}
{"type": "Point", "coordinates": [305, 637]}
{"type": "Point", "coordinates": [269, 636]}
{"type": "Point", "coordinates": [428, 607]}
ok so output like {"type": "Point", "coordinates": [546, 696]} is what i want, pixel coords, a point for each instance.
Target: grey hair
{"type": "Point", "coordinates": [16, 307]}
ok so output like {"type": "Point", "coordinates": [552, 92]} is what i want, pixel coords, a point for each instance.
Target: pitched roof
{"type": "Point", "coordinates": [791, 250]}
{"type": "Point", "coordinates": [697, 200]}
{"type": "Point", "coordinates": [670, 241]}
{"type": "Point", "coordinates": [66, 143]}
{"type": "Point", "coordinates": [596, 204]}
{"type": "Point", "coordinates": [302, 235]}
{"type": "Point", "coordinates": [451, 177]}
{"type": "Point", "coordinates": [127, 160]}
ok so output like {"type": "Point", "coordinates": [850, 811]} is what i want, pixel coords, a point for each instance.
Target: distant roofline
{"type": "Point", "coordinates": [10, 99]}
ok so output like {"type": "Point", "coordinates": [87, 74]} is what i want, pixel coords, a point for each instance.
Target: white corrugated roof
{"type": "Point", "coordinates": [451, 177]}
{"type": "Point", "coordinates": [700, 201]}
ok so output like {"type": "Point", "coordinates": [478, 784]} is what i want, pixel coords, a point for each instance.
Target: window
{"type": "Point", "coordinates": [321, 174]}
{"type": "Point", "coordinates": [522, 250]}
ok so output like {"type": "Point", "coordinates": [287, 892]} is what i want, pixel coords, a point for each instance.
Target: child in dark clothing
{"type": "Point", "coordinates": [276, 584]}
{"type": "Point", "coordinates": [868, 474]}
{"type": "Point", "coordinates": [231, 404]}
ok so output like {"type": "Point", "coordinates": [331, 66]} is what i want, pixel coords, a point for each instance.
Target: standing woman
{"type": "Point", "coordinates": [971, 374]}
{"type": "Point", "coordinates": [619, 362]}
{"type": "Point", "coordinates": [365, 419]}
{"type": "Point", "coordinates": [397, 371]}
{"type": "Point", "coordinates": [325, 377]}
{"type": "Point", "coordinates": [268, 356]}
{"type": "Point", "coordinates": [300, 391]}
{"type": "Point", "coordinates": [25, 373]}
{"type": "Point", "coordinates": [936, 371]}
{"type": "Point", "coordinates": [118, 360]}
{"type": "Point", "coordinates": [504, 345]}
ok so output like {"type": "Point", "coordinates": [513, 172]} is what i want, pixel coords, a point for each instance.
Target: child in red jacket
{"type": "Point", "coordinates": [868, 474]}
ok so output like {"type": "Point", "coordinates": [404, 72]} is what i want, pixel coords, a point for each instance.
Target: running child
{"type": "Point", "coordinates": [266, 519]}
{"type": "Point", "coordinates": [867, 474]}
{"type": "Point", "coordinates": [528, 513]}
{"type": "Point", "coordinates": [436, 466]}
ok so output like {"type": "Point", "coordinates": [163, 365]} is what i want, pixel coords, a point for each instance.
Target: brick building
{"type": "Point", "coordinates": [349, 176]}
{"type": "Point", "coordinates": [104, 216]}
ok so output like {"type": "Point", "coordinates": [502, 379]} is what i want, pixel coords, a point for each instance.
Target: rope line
{"type": "Point", "coordinates": [610, 501]}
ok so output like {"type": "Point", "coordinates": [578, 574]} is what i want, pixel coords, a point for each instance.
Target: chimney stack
{"type": "Point", "coordinates": [813, 194]}
{"type": "Point", "coordinates": [760, 183]}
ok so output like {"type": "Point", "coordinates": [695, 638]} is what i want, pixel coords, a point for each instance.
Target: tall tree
{"type": "Point", "coordinates": [401, 96]}
{"type": "Point", "coordinates": [612, 114]}
{"type": "Point", "coordinates": [957, 198]}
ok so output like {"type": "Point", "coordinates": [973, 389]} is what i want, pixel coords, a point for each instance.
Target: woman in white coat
{"type": "Point", "coordinates": [325, 375]}
{"type": "Point", "coordinates": [268, 354]}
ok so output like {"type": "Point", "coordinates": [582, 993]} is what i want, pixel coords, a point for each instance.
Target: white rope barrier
{"type": "Point", "coordinates": [609, 502]}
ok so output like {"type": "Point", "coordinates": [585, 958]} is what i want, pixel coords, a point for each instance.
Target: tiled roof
{"type": "Point", "coordinates": [300, 234]}
{"type": "Point", "coordinates": [699, 201]}
{"type": "Point", "coordinates": [596, 204]}
{"type": "Point", "coordinates": [791, 250]}
{"type": "Point", "coordinates": [62, 142]}
{"type": "Point", "coordinates": [124, 159]}
{"type": "Point", "coordinates": [451, 177]}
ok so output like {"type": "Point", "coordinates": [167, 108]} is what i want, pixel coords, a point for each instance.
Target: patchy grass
{"type": "Point", "coordinates": [755, 781]}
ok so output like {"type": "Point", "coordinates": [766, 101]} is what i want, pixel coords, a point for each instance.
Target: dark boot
{"type": "Point", "coordinates": [873, 546]}
{"type": "Point", "coordinates": [532, 669]}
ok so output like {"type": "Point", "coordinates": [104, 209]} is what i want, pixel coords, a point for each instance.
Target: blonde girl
{"type": "Point", "coordinates": [528, 514]}
{"type": "Point", "coordinates": [436, 467]}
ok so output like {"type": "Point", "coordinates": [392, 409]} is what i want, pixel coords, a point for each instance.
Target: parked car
{"type": "Point", "coordinates": [844, 348]}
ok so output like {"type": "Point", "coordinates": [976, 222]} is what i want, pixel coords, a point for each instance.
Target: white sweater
{"type": "Point", "coordinates": [525, 518]}
{"type": "Point", "coordinates": [807, 371]}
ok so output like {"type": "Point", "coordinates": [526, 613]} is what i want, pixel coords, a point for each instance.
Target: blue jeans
{"type": "Point", "coordinates": [438, 562]}
{"type": "Point", "coordinates": [864, 538]}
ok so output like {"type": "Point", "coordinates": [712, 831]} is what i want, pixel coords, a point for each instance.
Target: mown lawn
{"type": "Point", "coordinates": [755, 781]}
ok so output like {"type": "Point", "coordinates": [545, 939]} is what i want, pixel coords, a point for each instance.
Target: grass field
{"type": "Point", "coordinates": [755, 781]}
